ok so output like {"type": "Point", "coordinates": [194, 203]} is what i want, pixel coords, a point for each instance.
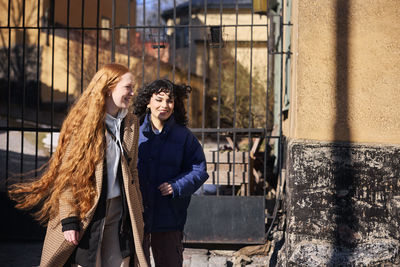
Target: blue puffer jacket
{"type": "Point", "coordinates": [174, 156]}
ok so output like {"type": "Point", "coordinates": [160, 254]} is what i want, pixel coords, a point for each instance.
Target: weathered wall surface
{"type": "Point", "coordinates": [347, 85]}
{"type": "Point", "coordinates": [343, 204]}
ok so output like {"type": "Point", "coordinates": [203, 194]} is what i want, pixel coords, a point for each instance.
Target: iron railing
{"type": "Point", "coordinates": [223, 49]}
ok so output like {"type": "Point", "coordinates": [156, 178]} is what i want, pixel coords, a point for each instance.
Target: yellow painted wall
{"type": "Point", "coordinates": [346, 71]}
{"type": "Point", "coordinates": [90, 12]}
{"type": "Point", "coordinates": [61, 64]}
{"type": "Point", "coordinates": [243, 20]}
{"type": "Point", "coordinates": [244, 33]}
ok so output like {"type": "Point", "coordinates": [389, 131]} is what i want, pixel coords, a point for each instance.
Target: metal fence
{"type": "Point", "coordinates": [230, 52]}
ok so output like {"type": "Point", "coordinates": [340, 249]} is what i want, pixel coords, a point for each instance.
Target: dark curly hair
{"type": "Point", "coordinates": [178, 92]}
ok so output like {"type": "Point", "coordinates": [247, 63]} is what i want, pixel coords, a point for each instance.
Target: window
{"type": "Point", "coordinates": [123, 36]}
{"type": "Point", "coordinates": [105, 23]}
{"type": "Point", "coordinates": [216, 35]}
{"type": "Point", "coordinates": [182, 37]}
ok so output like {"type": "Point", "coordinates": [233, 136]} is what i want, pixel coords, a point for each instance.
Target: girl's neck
{"type": "Point", "coordinates": [156, 123]}
{"type": "Point", "coordinates": [112, 110]}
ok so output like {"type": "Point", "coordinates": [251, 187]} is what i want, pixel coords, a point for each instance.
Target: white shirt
{"type": "Point", "coordinates": [113, 153]}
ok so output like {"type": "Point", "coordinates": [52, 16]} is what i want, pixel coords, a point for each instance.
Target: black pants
{"type": "Point", "coordinates": [167, 248]}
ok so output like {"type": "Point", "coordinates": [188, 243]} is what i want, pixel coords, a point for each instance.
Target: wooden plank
{"type": "Point", "coordinates": [227, 156]}
{"type": "Point", "coordinates": [227, 178]}
{"type": "Point", "coordinates": [227, 167]}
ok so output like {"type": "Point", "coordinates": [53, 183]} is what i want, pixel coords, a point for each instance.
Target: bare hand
{"type": "Point", "coordinates": [166, 189]}
{"type": "Point", "coordinates": [72, 236]}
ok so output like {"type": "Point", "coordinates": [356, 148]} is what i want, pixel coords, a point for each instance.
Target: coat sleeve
{"type": "Point", "coordinates": [68, 213]}
{"type": "Point", "coordinates": [194, 171]}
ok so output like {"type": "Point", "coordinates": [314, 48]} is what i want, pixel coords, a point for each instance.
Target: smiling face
{"type": "Point", "coordinates": [161, 107]}
{"type": "Point", "coordinates": [121, 96]}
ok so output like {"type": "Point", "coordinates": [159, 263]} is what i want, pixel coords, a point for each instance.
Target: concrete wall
{"type": "Point", "coordinates": [343, 128]}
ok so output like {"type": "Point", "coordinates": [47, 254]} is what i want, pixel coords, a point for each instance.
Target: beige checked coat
{"type": "Point", "coordinates": [56, 250]}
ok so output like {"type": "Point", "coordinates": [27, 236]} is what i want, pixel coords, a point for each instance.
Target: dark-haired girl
{"type": "Point", "coordinates": [171, 167]}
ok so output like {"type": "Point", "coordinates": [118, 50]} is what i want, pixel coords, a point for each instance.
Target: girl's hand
{"type": "Point", "coordinates": [72, 236]}
{"type": "Point", "coordinates": [166, 189]}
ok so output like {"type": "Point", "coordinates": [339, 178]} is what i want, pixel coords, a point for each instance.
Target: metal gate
{"type": "Point", "coordinates": [233, 55]}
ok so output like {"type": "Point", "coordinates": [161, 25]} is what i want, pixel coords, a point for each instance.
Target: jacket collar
{"type": "Point", "coordinates": [148, 131]}
{"type": "Point", "coordinates": [120, 116]}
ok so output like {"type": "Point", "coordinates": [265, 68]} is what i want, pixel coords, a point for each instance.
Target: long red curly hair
{"type": "Point", "coordinates": [83, 135]}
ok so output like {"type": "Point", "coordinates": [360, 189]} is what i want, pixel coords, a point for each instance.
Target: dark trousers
{"type": "Point", "coordinates": [167, 248]}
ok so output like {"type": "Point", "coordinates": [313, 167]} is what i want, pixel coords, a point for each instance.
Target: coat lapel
{"type": "Point", "coordinates": [128, 139]}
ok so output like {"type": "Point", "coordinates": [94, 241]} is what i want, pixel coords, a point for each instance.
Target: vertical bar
{"type": "Point", "coordinates": [249, 174]}
{"type": "Point", "coordinates": [203, 115]}
{"type": "Point", "coordinates": [113, 32]}
{"type": "Point", "coordinates": [204, 31]}
{"type": "Point", "coordinates": [219, 92]}
{"type": "Point", "coordinates": [280, 133]}
{"type": "Point", "coordinates": [280, 145]}
{"type": "Point", "coordinates": [9, 90]}
{"type": "Point", "coordinates": [97, 34]}
{"type": "Point", "coordinates": [235, 99]}
{"type": "Point", "coordinates": [143, 40]}
{"type": "Point", "coordinates": [174, 45]}
{"type": "Point", "coordinates": [189, 51]}
{"type": "Point", "coordinates": [266, 137]}
{"type": "Point", "coordinates": [38, 88]}
{"type": "Point", "coordinates": [68, 14]}
{"type": "Point", "coordinates": [23, 87]}
{"type": "Point", "coordinates": [190, 42]}
{"type": "Point", "coordinates": [129, 31]}
{"type": "Point", "coordinates": [158, 37]}
{"type": "Point", "coordinates": [52, 78]}
{"type": "Point", "coordinates": [83, 41]}
{"type": "Point", "coordinates": [9, 14]}
{"type": "Point", "coordinates": [281, 95]}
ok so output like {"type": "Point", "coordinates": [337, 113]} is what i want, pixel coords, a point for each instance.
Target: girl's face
{"type": "Point", "coordinates": [161, 106]}
{"type": "Point", "coordinates": [122, 95]}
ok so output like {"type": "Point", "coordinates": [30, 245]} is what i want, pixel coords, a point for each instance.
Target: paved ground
{"type": "Point", "coordinates": [27, 254]}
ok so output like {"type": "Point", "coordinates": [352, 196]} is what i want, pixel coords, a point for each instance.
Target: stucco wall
{"type": "Point", "coordinates": [347, 65]}
{"type": "Point", "coordinates": [342, 198]}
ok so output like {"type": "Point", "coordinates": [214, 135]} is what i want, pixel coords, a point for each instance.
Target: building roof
{"type": "Point", "coordinates": [198, 6]}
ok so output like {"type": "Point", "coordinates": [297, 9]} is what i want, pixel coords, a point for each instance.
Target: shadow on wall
{"type": "Point", "coordinates": [346, 222]}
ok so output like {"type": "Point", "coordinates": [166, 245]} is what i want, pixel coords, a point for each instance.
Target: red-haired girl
{"type": "Point", "coordinates": [89, 195]}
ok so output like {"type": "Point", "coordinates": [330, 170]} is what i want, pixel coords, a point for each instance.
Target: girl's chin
{"type": "Point", "coordinates": [164, 117]}
{"type": "Point", "coordinates": [125, 104]}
